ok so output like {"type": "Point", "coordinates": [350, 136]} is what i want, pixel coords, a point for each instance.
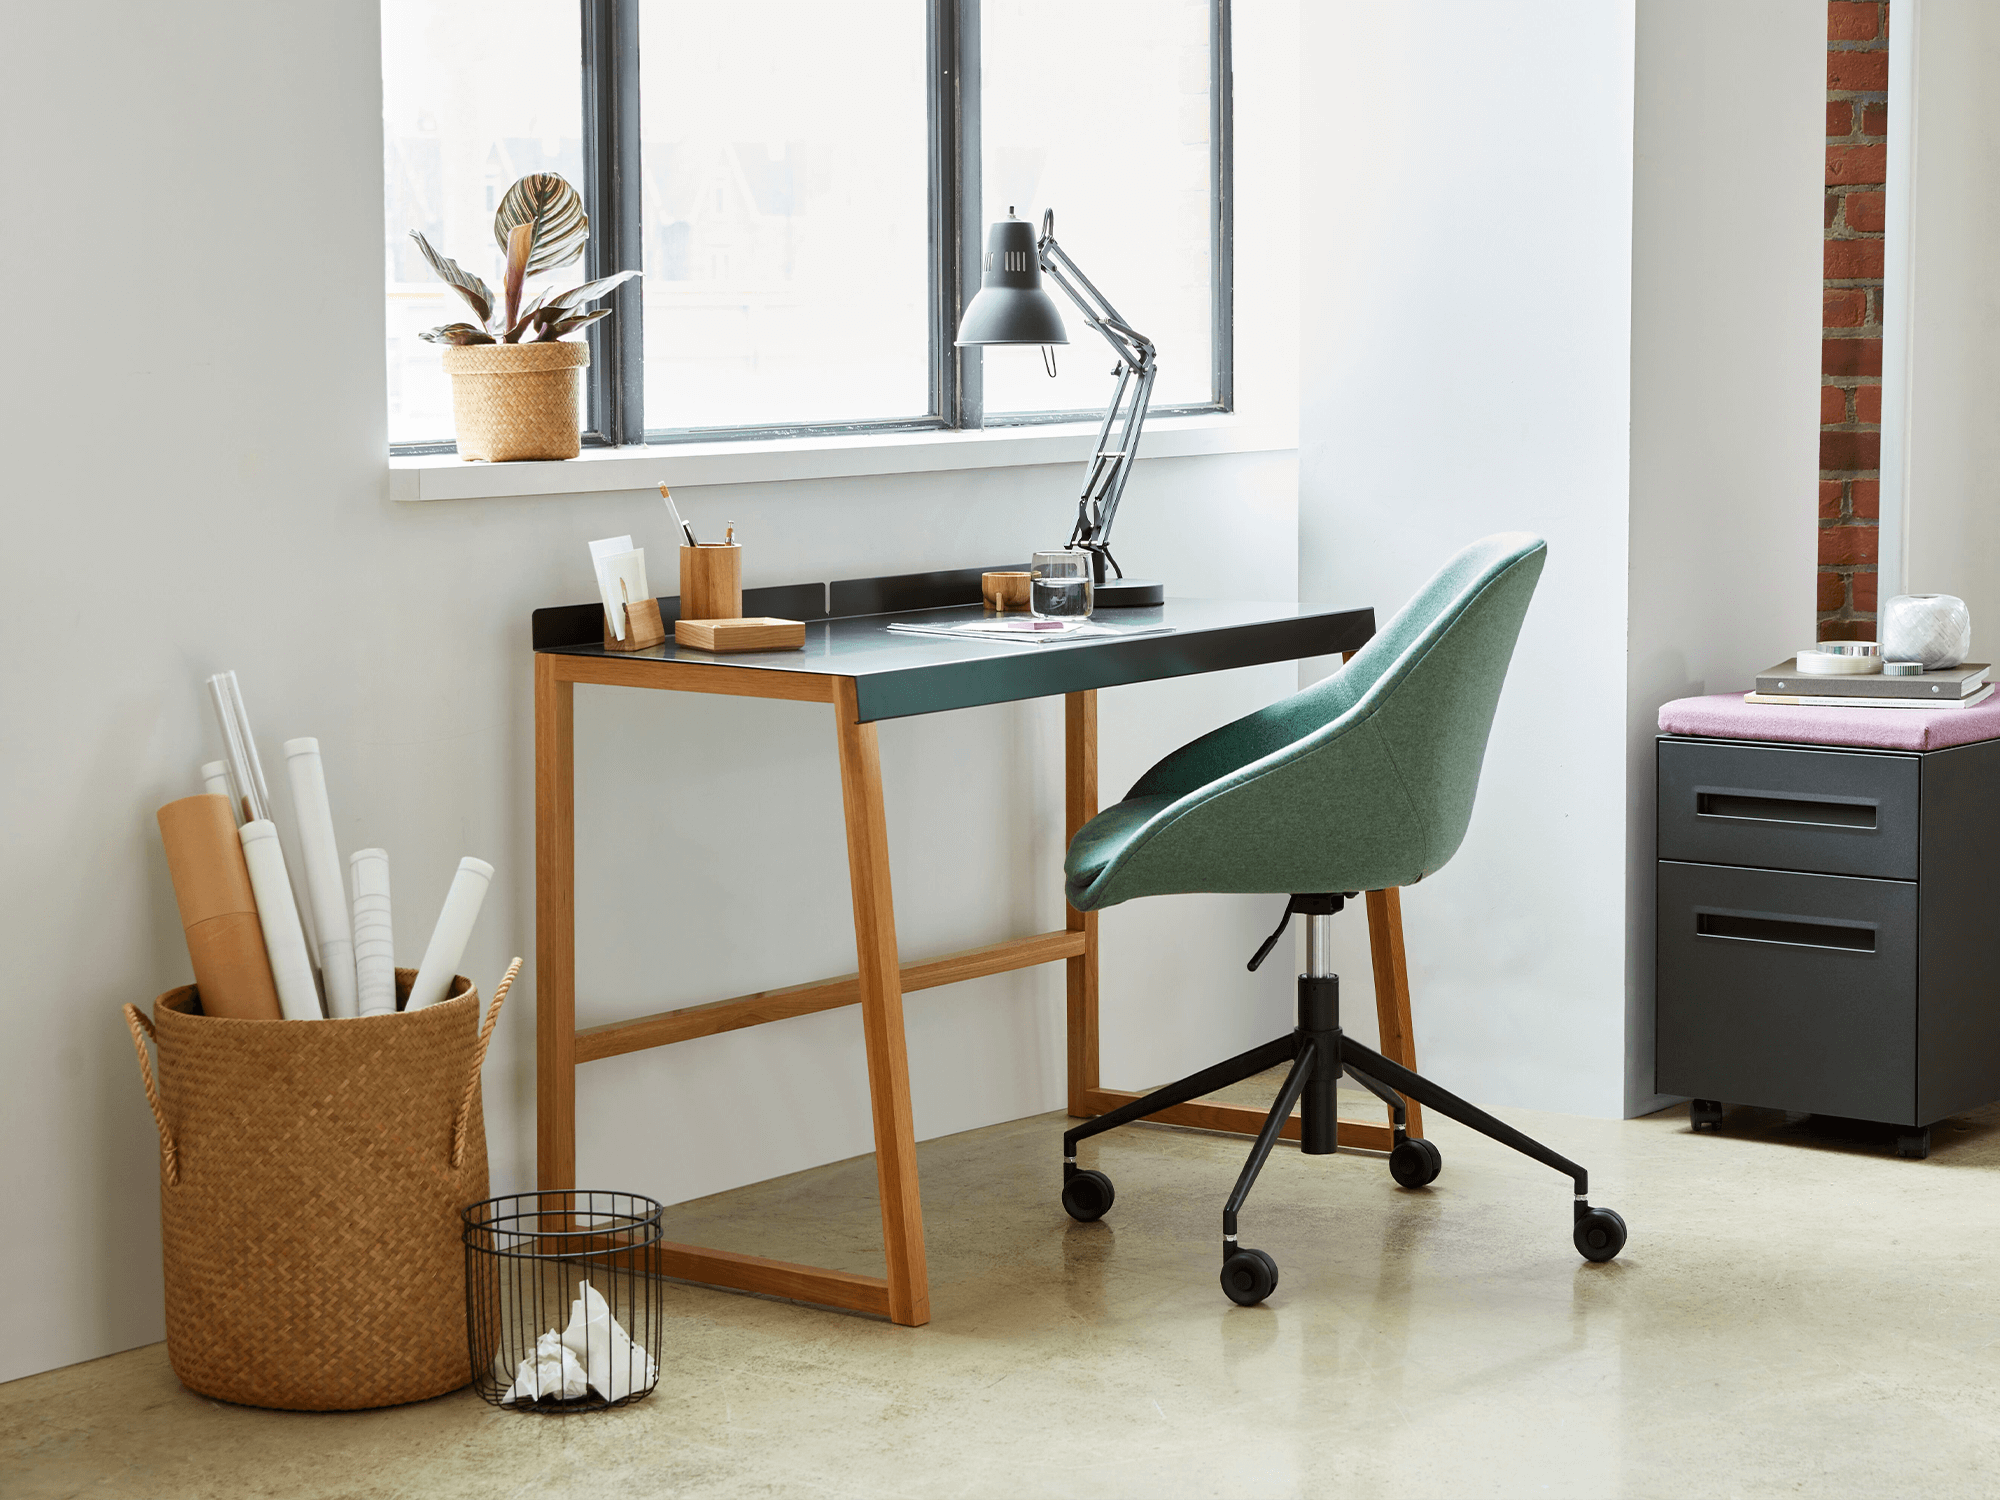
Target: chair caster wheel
{"type": "Point", "coordinates": [1415, 1163]}
{"type": "Point", "coordinates": [1600, 1234]}
{"type": "Point", "coordinates": [1088, 1196]}
{"type": "Point", "coordinates": [1249, 1276]}
{"type": "Point", "coordinates": [1705, 1112]}
{"type": "Point", "coordinates": [1913, 1145]}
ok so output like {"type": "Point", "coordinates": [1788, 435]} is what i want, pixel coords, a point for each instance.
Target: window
{"type": "Point", "coordinates": [807, 187]}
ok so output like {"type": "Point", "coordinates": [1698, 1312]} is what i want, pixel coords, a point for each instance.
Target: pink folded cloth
{"type": "Point", "coordinates": [1725, 716]}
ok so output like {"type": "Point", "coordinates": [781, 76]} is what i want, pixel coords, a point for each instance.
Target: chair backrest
{"type": "Point", "coordinates": [1366, 779]}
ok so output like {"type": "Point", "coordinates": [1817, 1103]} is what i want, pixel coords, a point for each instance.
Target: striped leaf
{"type": "Point", "coordinates": [573, 298]}
{"type": "Point", "coordinates": [456, 333]}
{"type": "Point", "coordinates": [567, 323]}
{"type": "Point", "coordinates": [555, 209]}
{"type": "Point", "coordinates": [460, 280]}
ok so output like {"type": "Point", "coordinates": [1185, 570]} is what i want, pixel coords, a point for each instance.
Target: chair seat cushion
{"type": "Point", "coordinates": [1103, 839]}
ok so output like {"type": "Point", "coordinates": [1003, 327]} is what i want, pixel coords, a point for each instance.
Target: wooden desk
{"type": "Point", "coordinates": [866, 673]}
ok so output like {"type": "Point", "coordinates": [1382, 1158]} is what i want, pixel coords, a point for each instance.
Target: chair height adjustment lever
{"type": "Point", "coordinates": [1272, 941]}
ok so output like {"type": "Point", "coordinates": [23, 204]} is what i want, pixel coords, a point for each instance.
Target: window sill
{"type": "Point", "coordinates": [448, 477]}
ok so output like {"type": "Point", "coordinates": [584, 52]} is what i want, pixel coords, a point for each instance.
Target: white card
{"type": "Point", "coordinates": [631, 570]}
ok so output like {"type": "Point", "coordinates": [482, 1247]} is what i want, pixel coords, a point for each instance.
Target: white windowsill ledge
{"type": "Point", "coordinates": [448, 477]}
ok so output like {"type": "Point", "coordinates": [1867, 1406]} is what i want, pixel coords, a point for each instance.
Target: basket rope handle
{"type": "Point", "coordinates": [170, 1151]}
{"type": "Point", "coordinates": [478, 1062]}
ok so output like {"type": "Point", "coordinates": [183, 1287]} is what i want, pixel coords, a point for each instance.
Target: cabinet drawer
{"type": "Point", "coordinates": [1788, 991]}
{"type": "Point", "coordinates": [1828, 811]}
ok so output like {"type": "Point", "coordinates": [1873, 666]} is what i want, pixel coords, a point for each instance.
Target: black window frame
{"type": "Point", "coordinates": [615, 380]}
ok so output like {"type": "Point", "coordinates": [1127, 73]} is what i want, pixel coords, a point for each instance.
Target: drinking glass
{"type": "Point", "coordinates": [1059, 585]}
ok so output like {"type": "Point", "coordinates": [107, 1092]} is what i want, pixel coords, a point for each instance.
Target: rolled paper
{"type": "Point", "coordinates": [247, 806]}
{"type": "Point", "coordinates": [284, 939]}
{"type": "Point", "coordinates": [452, 933]}
{"type": "Point", "coordinates": [218, 909]}
{"type": "Point", "coordinates": [326, 890]}
{"type": "Point", "coordinates": [374, 940]}
{"type": "Point", "coordinates": [215, 779]}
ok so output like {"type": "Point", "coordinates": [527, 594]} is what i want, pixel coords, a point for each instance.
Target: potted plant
{"type": "Point", "coordinates": [515, 380]}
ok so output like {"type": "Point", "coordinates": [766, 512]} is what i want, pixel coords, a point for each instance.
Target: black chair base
{"type": "Point", "coordinates": [1319, 1053]}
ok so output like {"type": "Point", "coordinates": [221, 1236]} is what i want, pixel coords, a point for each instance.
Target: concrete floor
{"type": "Point", "coordinates": [1798, 1312]}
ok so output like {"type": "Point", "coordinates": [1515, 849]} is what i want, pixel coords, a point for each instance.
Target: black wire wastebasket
{"type": "Point", "coordinates": [561, 1313]}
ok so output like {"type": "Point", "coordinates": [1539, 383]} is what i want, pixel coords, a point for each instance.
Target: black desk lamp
{"type": "Point", "coordinates": [1012, 308]}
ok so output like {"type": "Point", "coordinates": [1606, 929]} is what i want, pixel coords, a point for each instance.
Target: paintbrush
{"type": "Point", "coordinates": [686, 530]}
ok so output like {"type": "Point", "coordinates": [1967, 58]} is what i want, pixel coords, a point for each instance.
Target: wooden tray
{"type": "Point", "coordinates": [757, 633]}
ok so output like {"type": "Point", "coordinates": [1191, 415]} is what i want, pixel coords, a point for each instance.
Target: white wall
{"type": "Point", "coordinates": [1950, 521]}
{"type": "Point", "coordinates": [1562, 275]}
{"type": "Point", "coordinates": [204, 403]}
{"type": "Point", "coordinates": [1726, 265]}
{"type": "Point", "coordinates": [1468, 231]}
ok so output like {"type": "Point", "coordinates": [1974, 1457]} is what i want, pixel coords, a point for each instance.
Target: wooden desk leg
{"type": "Point", "coordinates": [1392, 988]}
{"type": "Point", "coordinates": [555, 927]}
{"type": "Point", "coordinates": [882, 1012]}
{"type": "Point", "coordinates": [1079, 807]}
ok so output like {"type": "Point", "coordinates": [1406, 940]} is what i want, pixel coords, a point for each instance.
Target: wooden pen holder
{"type": "Point", "coordinates": [643, 627]}
{"type": "Point", "coordinates": [712, 583]}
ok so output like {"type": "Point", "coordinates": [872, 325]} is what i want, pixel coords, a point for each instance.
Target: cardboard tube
{"type": "Point", "coordinates": [218, 909]}
{"type": "Point", "coordinates": [324, 885]}
{"type": "Point", "coordinates": [284, 939]}
{"type": "Point", "coordinates": [452, 933]}
{"type": "Point", "coordinates": [374, 938]}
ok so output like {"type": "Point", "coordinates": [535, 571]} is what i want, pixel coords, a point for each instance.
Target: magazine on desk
{"type": "Point", "coordinates": [1030, 631]}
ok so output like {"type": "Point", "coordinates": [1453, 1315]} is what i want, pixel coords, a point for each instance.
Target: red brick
{"type": "Point", "coordinates": [1844, 546]}
{"type": "Point", "coordinates": [1832, 405]}
{"type": "Point", "coordinates": [1842, 451]}
{"type": "Point", "coordinates": [1864, 593]}
{"type": "Point", "coordinates": [1839, 117]}
{"type": "Point", "coordinates": [1832, 208]}
{"type": "Point", "coordinates": [1868, 403]}
{"type": "Point", "coordinates": [1853, 21]}
{"type": "Point", "coordinates": [1832, 591]}
{"type": "Point", "coordinates": [1874, 119]}
{"type": "Point", "coordinates": [1850, 356]}
{"type": "Point", "coordinates": [1847, 630]}
{"type": "Point", "coordinates": [1865, 495]}
{"type": "Point", "coordinates": [1856, 165]}
{"type": "Point", "coordinates": [1857, 72]}
{"type": "Point", "coordinates": [1843, 308]}
{"type": "Point", "coordinates": [1829, 499]}
{"type": "Point", "coordinates": [1866, 212]}
{"type": "Point", "coordinates": [1853, 260]}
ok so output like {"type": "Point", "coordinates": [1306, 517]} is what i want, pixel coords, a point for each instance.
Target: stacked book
{"type": "Point", "coordinates": [1953, 687]}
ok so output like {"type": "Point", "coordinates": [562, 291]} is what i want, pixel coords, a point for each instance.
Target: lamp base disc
{"type": "Point", "coordinates": [1128, 593]}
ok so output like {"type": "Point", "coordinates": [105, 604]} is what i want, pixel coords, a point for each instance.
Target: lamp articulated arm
{"type": "Point", "coordinates": [1138, 362]}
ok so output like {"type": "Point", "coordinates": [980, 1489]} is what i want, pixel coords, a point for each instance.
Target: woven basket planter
{"type": "Point", "coordinates": [312, 1176]}
{"type": "Point", "coordinates": [517, 401]}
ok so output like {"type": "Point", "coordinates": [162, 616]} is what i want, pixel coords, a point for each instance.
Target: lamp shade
{"type": "Point", "coordinates": [1011, 307]}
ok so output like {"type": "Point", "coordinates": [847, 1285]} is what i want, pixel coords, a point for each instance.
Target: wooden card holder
{"type": "Point", "coordinates": [643, 627]}
{"type": "Point", "coordinates": [757, 633]}
{"type": "Point", "coordinates": [712, 583]}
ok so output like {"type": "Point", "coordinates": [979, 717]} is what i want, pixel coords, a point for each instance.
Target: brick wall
{"type": "Point", "coordinates": [1850, 412]}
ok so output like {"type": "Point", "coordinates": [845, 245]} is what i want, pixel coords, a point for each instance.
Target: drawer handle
{"type": "Point", "coordinates": [1784, 810]}
{"type": "Point", "coordinates": [1792, 932]}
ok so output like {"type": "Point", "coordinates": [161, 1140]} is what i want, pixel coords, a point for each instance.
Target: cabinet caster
{"type": "Point", "coordinates": [1705, 1112]}
{"type": "Point", "coordinates": [1088, 1196]}
{"type": "Point", "coordinates": [1913, 1145]}
{"type": "Point", "coordinates": [1249, 1276]}
{"type": "Point", "coordinates": [1415, 1162]}
{"type": "Point", "coordinates": [1600, 1234]}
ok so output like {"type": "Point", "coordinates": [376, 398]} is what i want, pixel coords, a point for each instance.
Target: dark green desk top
{"type": "Point", "coordinates": [897, 675]}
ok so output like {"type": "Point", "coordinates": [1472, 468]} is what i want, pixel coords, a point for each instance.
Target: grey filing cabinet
{"type": "Point", "coordinates": [1826, 918]}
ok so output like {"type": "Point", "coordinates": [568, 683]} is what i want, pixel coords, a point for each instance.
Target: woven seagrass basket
{"type": "Point", "coordinates": [517, 401]}
{"type": "Point", "coordinates": [312, 1175]}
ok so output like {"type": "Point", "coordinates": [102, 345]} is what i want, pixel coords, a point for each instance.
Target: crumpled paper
{"type": "Point", "coordinates": [594, 1351]}
{"type": "Point", "coordinates": [550, 1371]}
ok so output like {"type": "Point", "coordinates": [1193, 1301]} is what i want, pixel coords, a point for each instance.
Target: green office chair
{"type": "Point", "coordinates": [1360, 782]}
